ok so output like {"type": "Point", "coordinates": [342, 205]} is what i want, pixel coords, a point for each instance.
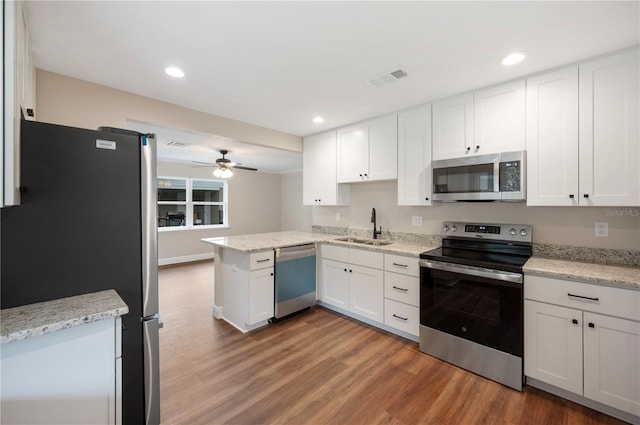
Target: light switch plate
{"type": "Point", "coordinates": [602, 229]}
{"type": "Point", "coordinates": [416, 220]}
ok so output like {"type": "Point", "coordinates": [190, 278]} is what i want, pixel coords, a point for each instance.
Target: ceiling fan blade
{"type": "Point", "coordinates": [240, 167]}
{"type": "Point", "coordinates": [205, 163]}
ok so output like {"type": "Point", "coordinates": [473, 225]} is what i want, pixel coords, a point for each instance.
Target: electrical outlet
{"type": "Point", "coordinates": [602, 229]}
{"type": "Point", "coordinates": [337, 216]}
{"type": "Point", "coordinates": [416, 220]}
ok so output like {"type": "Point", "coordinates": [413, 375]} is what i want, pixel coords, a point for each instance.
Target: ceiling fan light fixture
{"type": "Point", "coordinates": [222, 172]}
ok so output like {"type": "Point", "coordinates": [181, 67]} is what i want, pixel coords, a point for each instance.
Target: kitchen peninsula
{"type": "Point", "coordinates": [243, 281]}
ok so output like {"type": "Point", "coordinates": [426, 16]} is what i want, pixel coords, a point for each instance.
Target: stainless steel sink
{"type": "Point", "coordinates": [378, 242]}
{"type": "Point", "coordinates": [352, 240]}
{"type": "Point", "coordinates": [375, 242]}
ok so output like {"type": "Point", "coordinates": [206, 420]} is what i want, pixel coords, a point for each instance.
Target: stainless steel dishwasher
{"type": "Point", "coordinates": [295, 279]}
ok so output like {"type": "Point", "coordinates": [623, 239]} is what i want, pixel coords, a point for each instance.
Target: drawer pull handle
{"type": "Point", "coordinates": [400, 289]}
{"type": "Point", "coordinates": [401, 318]}
{"type": "Point", "coordinates": [262, 261]}
{"type": "Point", "coordinates": [401, 265]}
{"type": "Point", "coordinates": [582, 297]}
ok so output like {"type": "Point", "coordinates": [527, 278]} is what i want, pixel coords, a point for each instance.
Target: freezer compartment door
{"type": "Point", "coordinates": [151, 326]}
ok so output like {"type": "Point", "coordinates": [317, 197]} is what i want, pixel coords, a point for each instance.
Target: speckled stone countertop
{"type": "Point", "coordinates": [266, 241]}
{"type": "Point", "coordinates": [621, 276]}
{"type": "Point", "coordinates": [26, 321]}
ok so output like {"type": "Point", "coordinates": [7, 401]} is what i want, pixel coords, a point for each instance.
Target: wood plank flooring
{"type": "Point", "coordinates": [320, 368]}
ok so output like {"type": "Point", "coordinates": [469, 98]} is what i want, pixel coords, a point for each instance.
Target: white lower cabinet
{"type": "Point", "coordinates": [381, 289]}
{"type": "Point", "coordinates": [366, 292]}
{"type": "Point", "coordinates": [352, 280]}
{"type": "Point", "coordinates": [71, 376]}
{"type": "Point", "coordinates": [247, 288]}
{"type": "Point", "coordinates": [402, 293]}
{"type": "Point", "coordinates": [261, 295]}
{"type": "Point", "coordinates": [574, 342]}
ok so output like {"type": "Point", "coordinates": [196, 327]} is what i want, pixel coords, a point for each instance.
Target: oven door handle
{"type": "Point", "coordinates": [473, 271]}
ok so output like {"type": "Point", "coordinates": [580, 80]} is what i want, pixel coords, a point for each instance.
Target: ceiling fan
{"type": "Point", "coordinates": [224, 166]}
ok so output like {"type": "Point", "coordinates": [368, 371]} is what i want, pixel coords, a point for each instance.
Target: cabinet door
{"type": "Point", "coordinates": [312, 161]}
{"type": "Point", "coordinates": [414, 156]}
{"type": "Point", "coordinates": [453, 127]}
{"type": "Point", "coordinates": [261, 297]}
{"type": "Point", "coordinates": [553, 345]}
{"type": "Point", "coordinates": [334, 286]}
{"type": "Point", "coordinates": [499, 114]}
{"type": "Point", "coordinates": [612, 362]}
{"type": "Point", "coordinates": [552, 138]}
{"type": "Point", "coordinates": [366, 292]}
{"type": "Point", "coordinates": [609, 135]}
{"type": "Point", "coordinates": [353, 154]}
{"type": "Point", "coordinates": [319, 172]}
{"type": "Point", "coordinates": [383, 148]}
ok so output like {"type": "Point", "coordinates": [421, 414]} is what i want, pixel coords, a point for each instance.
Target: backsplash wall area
{"type": "Point", "coordinates": [572, 226]}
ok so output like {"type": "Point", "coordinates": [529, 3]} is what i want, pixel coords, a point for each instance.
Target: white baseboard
{"type": "Point", "coordinates": [185, 259]}
{"type": "Point", "coordinates": [217, 311]}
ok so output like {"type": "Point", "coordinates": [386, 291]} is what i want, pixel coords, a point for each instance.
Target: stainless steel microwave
{"type": "Point", "coordinates": [494, 177]}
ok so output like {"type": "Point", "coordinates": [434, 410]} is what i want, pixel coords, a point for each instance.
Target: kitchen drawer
{"type": "Point", "coordinates": [401, 264]}
{"type": "Point", "coordinates": [366, 258]}
{"type": "Point", "coordinates": [402, 316]}
{"type": "Point", "coordinates": [618, 302]}
{"type": "Point", "coordinates": [261, 260]}
{"type": "Point", "coordinates": [334, 252]}
{"type": "Point", "coordinates": [403, 288]}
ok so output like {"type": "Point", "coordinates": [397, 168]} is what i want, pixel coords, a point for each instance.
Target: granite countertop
{"type": "Point", "coordinates": [26, 321]}
{"type": "Point", "coordinates": [620, 276]}
{"type": "Point", "coordinates": [266, 241]}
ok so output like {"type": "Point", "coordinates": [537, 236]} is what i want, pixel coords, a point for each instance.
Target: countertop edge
{"type": "Point", "coordinates": [623, 277]}
{"type": "Point", "coordinates": [20, 323]}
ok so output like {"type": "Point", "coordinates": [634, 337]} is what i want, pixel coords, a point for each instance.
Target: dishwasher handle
{"type": "Point", "coordinates": [293, 252]}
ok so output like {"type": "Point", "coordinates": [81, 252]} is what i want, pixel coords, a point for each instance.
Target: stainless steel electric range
{"type": "Point", "coordinates": [471, 299]}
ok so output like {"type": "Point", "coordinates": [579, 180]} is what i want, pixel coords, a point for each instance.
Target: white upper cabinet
{"type": "Point", "coordinates": [319, 185]}
{"type": "Point", "coordinates": [452, 127]}
{"type": "Point", "coordinates": [609, 136]}
{"type": "Point", "coordinates": [583, 143]}
{"type": "Point", "coordinates": [483, 122]}
{"type": "Point", "coordinates": [368, 151]}
{"type": "Point", "coordinates": [552, 138]}
{"type": "Point", "coordinates": [498, 122]}
{"type": "Point", "coordinates": [18, 92]}
{"type": "Point", "coordinates": [414, 156]}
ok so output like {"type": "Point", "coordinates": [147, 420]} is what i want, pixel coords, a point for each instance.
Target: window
{"type": "Point", "coordinates": [187, 203]}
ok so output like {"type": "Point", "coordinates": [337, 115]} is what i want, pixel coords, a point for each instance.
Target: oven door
{"type": "Point", "coordinates": [481, 305]}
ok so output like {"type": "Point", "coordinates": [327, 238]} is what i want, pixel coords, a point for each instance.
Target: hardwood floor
{"type": "Point", "coordinates": [320, 368]}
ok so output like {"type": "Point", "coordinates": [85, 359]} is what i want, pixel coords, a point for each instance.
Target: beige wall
{"type": "Point", "coordinates": [69, 101]}
{"type": "Point", "coordinates": [294, 215]}
{"type": "Point", "coordinates": [553, 225]}
{"type": "Point", "coordinates": [254, 207]}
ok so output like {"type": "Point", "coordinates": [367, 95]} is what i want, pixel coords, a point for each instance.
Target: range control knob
{"type": "Point", "coordinates": [446, 227]}
{"type": "Point", "coordinates": [453, 228]}
{"type": "Point", "coordinates": [523, 232]}
{"type": "Point", "coordinates": [513, 232]}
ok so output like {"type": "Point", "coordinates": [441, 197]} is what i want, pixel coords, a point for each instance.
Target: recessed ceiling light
{"type": "Point", "coordinates": [318, 120]}
{"type": "Point", "coordinates": [174, 72]}
{"type": "Point", "coordinates": [513, 59]}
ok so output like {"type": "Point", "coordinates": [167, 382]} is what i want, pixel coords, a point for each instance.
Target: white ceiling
{"type": "Point", "coordinates": [279, 64]}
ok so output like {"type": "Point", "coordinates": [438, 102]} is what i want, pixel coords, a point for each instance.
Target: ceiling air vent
{"type": "Point", "coordinates": [177, 144]}
{"type": "Point", "coordinates": [388, 77]}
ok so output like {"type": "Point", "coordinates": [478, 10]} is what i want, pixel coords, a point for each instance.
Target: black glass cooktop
{"type": "Point", "coordinates": [491, 255]}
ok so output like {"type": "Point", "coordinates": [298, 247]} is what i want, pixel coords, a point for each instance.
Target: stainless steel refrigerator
{"type": "Point", "coordinates": [87, 223]}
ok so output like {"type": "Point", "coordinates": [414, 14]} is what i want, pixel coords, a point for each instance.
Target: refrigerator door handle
{"type": "Point", "coordinates": [149, 203]}
{"type": "Point", "coordinates": [151, 341]}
